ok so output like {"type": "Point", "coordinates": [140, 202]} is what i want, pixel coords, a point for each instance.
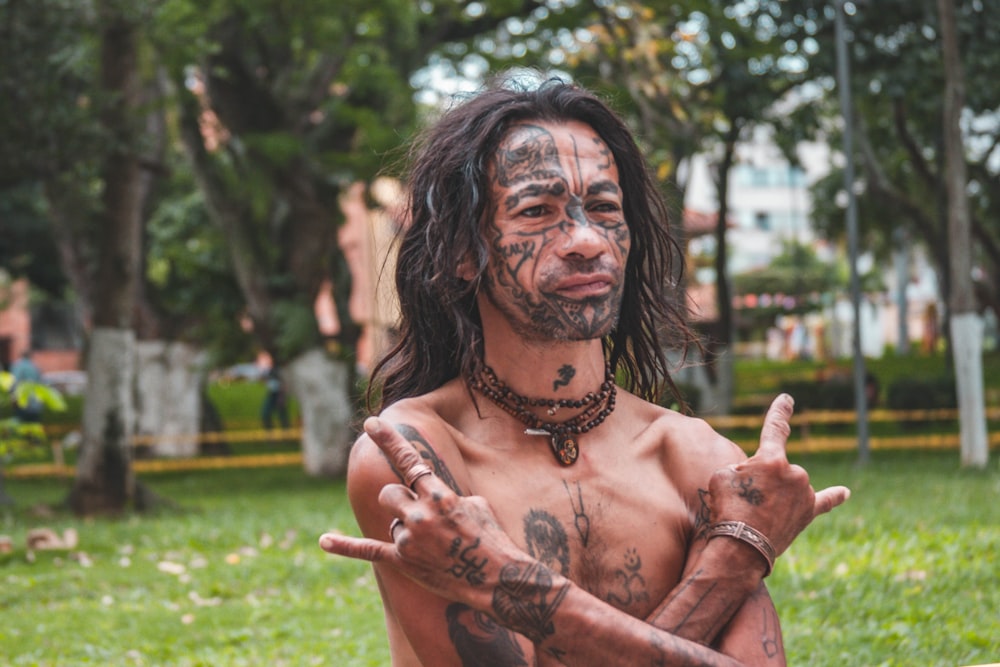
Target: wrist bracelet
{"type": "Point", "coordinates": [748, 534]}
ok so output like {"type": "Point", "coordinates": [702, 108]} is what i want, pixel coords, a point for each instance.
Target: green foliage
{"type": "Point", "coordinates": [835, 393]}
{"type": "Point", "coordinates": [19, 438]}
{"type": "Point", "coordinates": [796, 270]}
{"type": "Point", "coordinates": [921, 393]}
{"type": "Point", "coordinates": [298, 329]}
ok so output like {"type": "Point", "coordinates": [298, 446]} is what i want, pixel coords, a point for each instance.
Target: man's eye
{"type": "Point", "coordinates": [533, 212]}
{"type": "Point", "coordinates": [606, 207]}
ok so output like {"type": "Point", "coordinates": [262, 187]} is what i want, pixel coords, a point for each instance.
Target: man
{"type": "Point", "coordinates": [548, 516]}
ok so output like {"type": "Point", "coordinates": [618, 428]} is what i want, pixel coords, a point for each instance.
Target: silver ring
{"type": "Point", "coordinates": [415, 473]}
{"type": "Point", "coordinates": [396, 523]}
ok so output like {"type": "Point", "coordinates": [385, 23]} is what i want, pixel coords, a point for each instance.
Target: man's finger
{"type": "Point", "coordinates": [774, 434]}
{"type": "Point", "coordinates": [402, 455]}
{"type": "Point", "coordinates": [829, 498]}
{"type": "Point", "coordinates": [362, 548]}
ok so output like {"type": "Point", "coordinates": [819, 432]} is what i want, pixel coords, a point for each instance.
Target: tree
{"type": "Point", "coordinates": [283, 106]}
{"type": "Point", "coordinates": [966, 326]}
{"type": "Point", "coordinates": [105, 482]}
{"type": "Point", "coordinates": [897, 79]}
{"type": "Point", "coordinates": [701, 75]}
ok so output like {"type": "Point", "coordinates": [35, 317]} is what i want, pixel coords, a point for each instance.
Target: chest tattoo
{"type": "Point", "coordinates": [546, 540]}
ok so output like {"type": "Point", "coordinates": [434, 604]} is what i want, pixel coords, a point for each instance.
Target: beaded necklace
{"type": "Point", "coordinates": [562, 435]}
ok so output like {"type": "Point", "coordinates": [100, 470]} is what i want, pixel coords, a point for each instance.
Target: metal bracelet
{"type": "Point", "coordinates": [741, 531]}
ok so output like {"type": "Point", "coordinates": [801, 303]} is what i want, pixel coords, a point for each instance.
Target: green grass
{"type": "Point", "coordinates": [905, 574]}
{"type": "Point", "coordinates": [254, 588]}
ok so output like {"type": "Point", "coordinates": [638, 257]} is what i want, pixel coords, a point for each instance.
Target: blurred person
{"type": "Point", "coordinates": [275, 400]}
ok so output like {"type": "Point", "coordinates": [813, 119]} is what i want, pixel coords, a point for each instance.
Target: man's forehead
{"type": "Point", "coordinates": [534, 132]}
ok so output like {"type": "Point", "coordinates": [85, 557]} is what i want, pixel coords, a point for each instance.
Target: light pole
{"type": "Point", "coordinates": [843, 83]}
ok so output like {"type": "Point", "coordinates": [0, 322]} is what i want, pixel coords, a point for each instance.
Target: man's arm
{"type": "Point", "coordinates": [722, 574]}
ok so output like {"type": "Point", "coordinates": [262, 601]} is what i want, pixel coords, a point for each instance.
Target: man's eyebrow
{"type": "Point", "coordinates": [557, 188]}
{"type": "Point", "coordinates": [599, 187]}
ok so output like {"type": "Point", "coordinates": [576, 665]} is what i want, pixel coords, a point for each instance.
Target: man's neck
{"type": "Point", "coordinates": [565, 369]}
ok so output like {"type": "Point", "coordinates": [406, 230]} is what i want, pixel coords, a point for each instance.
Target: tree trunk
{"type": "Point", "coordinates": [104, 481]}
{"type": "Point", "coordinates": [722, 347]}
{"type": "Point", "coordinates": [965, 325]}
{"type": "Point", "coordinates": [319, 384]}
{"type": "Point", "coordinates": [168, 383]}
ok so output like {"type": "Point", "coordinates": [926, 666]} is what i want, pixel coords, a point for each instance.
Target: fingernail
{"type": "Point", "coordinates": [325, 541]}
{"type": "Point", "coordinates": [373, 425]}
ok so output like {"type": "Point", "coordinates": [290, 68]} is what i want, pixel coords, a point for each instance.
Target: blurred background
{"type": "Point", "coordinates": [198, 202]}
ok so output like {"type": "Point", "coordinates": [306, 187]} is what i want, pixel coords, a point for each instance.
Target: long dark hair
{"type": "Point", "coordinates": [440, 335]}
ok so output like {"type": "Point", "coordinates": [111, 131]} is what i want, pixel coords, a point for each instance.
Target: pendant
{"type": "Point", "coordinates": [565, 449]}
{"type": "Point", "coordinates": [563, 446]}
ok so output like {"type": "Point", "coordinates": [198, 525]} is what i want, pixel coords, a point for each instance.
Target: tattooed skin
{"type": "Point", "coordinates": [770, 633]}
{"type": "Point", "coordinates": [429, 456]}
{"type": "Point", "coordinates": [566, 373]}
{"type": "Point", "coordinates": [748, 493]}
{"type": "Point", "coordinates": [631, 585]}
{"type": "Point", "coordinates": [703, 519]}
{"type": "Point", "coordinates": [480, 641]}
{"type": "Point", "coordinates": [525, 600]}
{"type": "Point", "coordinates": [534, 157]}
{"type": "Point", "coordinates": [580, 519]}
{"type": "Point", "coordinates": [465, 565]}
{"type": "Point", "coordinates": [546, 541]}
{"type": "Point", "coordinates": [547, 193]}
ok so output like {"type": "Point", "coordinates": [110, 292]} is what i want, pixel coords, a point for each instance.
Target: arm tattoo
{"type": "Point", "coordinates": [428, 454]}
{"type": "Point", "coordinates": [770, 631]}
{"type": "Point", "coordinates": [525, 599]}
{"type": "Point", "coordinates": [720, 619]}
{"type": "Point", "coordinates": [703, 519]}
{"type": "Point", "coordinates": [480, 641]}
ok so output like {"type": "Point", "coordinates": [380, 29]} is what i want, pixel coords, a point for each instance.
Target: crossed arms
{"type": "Point", "coordinates": [564, 622]}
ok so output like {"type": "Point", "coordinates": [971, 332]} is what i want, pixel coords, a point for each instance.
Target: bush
{"type": "Point", "coordinates": [833, 394]}
{"type": "Point", "coordinates": [911, 393]}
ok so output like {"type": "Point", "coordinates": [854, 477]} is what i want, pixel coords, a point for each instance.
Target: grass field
{"type": "Point", "coordinates": [906, 574]}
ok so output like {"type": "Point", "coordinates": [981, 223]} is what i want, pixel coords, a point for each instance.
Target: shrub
{"type": "Point", "coordinates": [911, 393]}
{"type": "Point", "coordinates": [833, 394]}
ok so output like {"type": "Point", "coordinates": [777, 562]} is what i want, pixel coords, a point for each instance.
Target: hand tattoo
{"type": "Point", "coordinates": [466, 566]}
{"type": "Point", "coordinates": [753, 496]}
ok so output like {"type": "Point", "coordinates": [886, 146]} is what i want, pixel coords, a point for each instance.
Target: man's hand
{"type": "Point", "coordinates": [451, 545]}
{"type": "Point", "coordinates": [768, 493]}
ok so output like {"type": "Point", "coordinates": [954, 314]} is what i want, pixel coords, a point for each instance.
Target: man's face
{"type": "Point", "coordinates": [558, 239]}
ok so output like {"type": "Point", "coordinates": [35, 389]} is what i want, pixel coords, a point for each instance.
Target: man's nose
{"type": "Point", "coordinates": [581, 236]}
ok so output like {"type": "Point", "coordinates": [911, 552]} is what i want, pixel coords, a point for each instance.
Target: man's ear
{"type": "Point", "coordinates": [466, 270]}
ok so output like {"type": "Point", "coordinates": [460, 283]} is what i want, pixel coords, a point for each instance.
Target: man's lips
{"type": "Point", "coordinates": [584, 286]}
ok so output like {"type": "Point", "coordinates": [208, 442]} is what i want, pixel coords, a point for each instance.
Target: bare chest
{"type": "Point", "coordinates": [622, 540]}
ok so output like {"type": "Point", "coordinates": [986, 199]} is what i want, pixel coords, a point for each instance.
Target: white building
{"type": "Point", "coordinates": [770, 204]}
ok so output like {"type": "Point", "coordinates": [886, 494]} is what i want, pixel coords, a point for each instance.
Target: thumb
{"type": "Point", "coordinates": [361, 548]}
{"type": "Point", "coordinates": [829, 498]}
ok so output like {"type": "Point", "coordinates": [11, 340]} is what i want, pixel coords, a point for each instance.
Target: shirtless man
{"type": "Point", "coordinates": [547, 516]}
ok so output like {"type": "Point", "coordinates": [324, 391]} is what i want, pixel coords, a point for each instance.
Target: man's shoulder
{"type": "Point", "coordinates": [424, 421]}
{"type": "Point", "coordinates": [683, 438]}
